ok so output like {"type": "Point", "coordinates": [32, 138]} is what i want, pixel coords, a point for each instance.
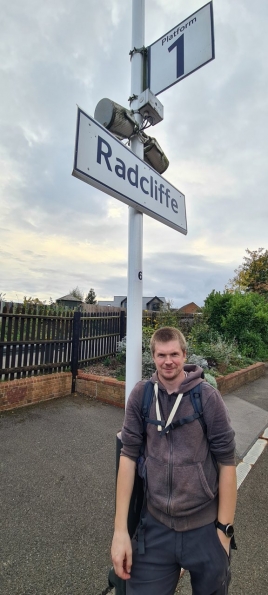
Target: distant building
{"type": "Point", "coordinates": [148, 303]}
{"type": "Point", "coordinates": [69, 301]}
{"type": "Point", "coordinates": [191, 308]}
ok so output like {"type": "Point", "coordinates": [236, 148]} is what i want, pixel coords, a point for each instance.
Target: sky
{"type": "Point", "coordinates": [56, 232]}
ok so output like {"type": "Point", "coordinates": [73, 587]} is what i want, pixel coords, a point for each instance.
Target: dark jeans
{"type": "Point", "coordinates": [157, 571]}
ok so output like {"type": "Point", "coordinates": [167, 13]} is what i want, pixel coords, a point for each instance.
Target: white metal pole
{"type": "Point", "coordinates": [135, 222]}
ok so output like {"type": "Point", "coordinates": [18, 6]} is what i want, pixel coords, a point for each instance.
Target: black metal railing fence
{"type": "Point", "coordinates": [34, 342]}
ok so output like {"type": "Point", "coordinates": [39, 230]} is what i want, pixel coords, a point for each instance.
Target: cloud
{"type": "Point", "coordinates": [57, 232]}
{"type": "Point", "coordinates": [185, 278]}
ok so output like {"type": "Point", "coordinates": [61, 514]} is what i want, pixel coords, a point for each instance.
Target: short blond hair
{"type": "Point", "coordinates": [165, 334]}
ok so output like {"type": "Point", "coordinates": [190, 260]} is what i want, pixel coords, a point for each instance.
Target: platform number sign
{"type": "Point", "coordinates": [182, 50]}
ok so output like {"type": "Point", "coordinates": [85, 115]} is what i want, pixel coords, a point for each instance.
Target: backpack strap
{"type": "Point", "coordinates": [180, 422]}
{"type": "Point", "coordinates": [147, 399]}
{"type": "Point", "coordinates": [196, 400]}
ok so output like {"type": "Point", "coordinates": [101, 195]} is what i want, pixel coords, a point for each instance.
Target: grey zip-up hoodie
{"type": "Point", "coordinates": [182, 477]}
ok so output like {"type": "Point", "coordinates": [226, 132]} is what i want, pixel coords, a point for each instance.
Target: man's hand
{"type": "Point", "coordinates": [121, 549]}
{"type": "Point", "coordinates": [121, 552]}
{"type": "Point", "coordinates": [227, 501]}
{"type": "Point", "coordinates": [225, 541]}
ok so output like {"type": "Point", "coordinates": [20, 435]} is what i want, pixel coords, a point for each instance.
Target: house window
{"type": "Point", "coordinates": [156, 306]}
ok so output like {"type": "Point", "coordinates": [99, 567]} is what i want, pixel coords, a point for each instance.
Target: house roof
{"type": "Point", "coordinates": [189, 308]}
{"type": "Point", "coordinates": [149, 300]}
{"type": "Point", "coordinates": [69, 298]}
{"type": "Point", "coordinates": [119, 299]}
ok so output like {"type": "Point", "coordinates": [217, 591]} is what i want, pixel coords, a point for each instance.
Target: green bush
{"type": "Point", "coordinates": [216, 308]}
{"type": "Point", "coordinates": [121, 350]}
{"type": "Point", "coordinates": [222, 355]}
{"type": "Point", "coordinates": [260, 323]}
{"type": "Point", "coordinates": [252, 344]}
{"type": "Point", "coordinates": [121, 374]}
{"type": "Point", "coordinates": [148, 367]}
{"type": "Point", "coordinates": [211, 380]}
{"type": "Point", "coordinates": [197, 360]}
{"type": "Point", "coordinates": [147, 332]}
{"type": "Point", "coordinates": [166, 318]}
{"type": "Point", "coordinates": [241, 318]}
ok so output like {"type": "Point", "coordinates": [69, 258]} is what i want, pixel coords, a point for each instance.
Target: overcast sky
{"type": "Point", "coordinates": [58, 232]}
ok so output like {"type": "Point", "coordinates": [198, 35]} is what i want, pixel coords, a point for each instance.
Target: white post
{"type": "Point", "coordinates": [135, 229]}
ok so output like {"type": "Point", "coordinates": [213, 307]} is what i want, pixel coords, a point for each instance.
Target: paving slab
{"type": "Point", "coordinates": [248, 421]}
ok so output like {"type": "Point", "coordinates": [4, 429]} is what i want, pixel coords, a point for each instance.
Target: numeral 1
{"type": "Point", "coordinates": [179, 44]}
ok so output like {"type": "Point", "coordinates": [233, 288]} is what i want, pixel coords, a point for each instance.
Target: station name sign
{"type": "Point", "coordinates": [102, 161]}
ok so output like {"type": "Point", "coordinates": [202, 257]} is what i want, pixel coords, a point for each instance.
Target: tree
{"type": "Point", "coordinates": [77, 293]}
{"type": "Point", "coordinates": [32, 301]}
{"type": "Point", "coordinates": [252, 274]}
{"type": "Point", "coordinates": [91, 297]}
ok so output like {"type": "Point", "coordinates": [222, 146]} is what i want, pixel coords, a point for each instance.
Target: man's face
{"type": "Point", "coordinates": [169, 360]}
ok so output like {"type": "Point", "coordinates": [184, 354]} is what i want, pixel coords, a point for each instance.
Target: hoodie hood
{"type": "Point", "coordinates": [195, 375]}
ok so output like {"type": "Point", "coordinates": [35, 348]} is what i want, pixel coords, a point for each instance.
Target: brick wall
{"type": "Point", "coordinates": [110, 390]}
{"type": "Point", "coordinates": [26, 391]}
{"type": "Point", "coordinates": [227, 384]}
{"type": "Point", "coordinates": [103, 388]}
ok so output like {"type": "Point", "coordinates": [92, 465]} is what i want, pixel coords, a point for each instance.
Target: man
{"type": "Point", "coordinates": [191, 481]}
